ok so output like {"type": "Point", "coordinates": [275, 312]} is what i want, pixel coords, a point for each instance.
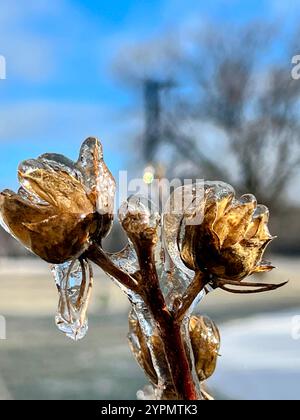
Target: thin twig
{"type": "Point", "coordinates": [247, 284]}
{"type": "Point", "coordinates": [267, 288]}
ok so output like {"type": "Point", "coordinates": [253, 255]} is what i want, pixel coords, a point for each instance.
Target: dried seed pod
{"type": "Point", "coordinates": [205, 340]}
{"type": "Point", "coordinates": [230, 240]}
{"type": "Point", "coordinates": [61, 206]}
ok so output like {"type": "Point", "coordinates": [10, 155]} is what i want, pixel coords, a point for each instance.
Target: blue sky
{"type": "Point", "coordinates": [60, 87]}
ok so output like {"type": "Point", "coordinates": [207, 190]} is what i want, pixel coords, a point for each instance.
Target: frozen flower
{"type": "Point", "coordinates": [61, 206]}
{"type": "Point", "coordinates": [230, 241]}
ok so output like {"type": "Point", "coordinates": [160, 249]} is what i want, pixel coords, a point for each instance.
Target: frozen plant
{"type": "Point", "coordinates": [64, 209]}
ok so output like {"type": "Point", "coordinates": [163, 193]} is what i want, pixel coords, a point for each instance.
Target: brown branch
{"type": "Point", "coordinates": [168, 327]}
{"type": "Point", "coordinates": [149, 289]}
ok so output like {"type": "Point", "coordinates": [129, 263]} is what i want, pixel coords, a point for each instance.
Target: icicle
{"type": "Point", "coordinates": [74, 290]}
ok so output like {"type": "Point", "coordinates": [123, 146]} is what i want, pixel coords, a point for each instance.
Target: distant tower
{"type": "Point", "coordinates": [152, 105]}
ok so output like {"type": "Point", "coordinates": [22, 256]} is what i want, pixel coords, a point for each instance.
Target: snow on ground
{"type": "Point", "coordinates": [260, 358]}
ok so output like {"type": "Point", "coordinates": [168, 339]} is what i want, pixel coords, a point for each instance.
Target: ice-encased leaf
{"type": "Point", "coordinates": [74, 287]}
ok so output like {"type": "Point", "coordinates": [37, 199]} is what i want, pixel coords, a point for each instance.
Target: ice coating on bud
{"type": "Point", "coordinates": [74, 289]}
{"type": "Point", "coordinates": [139, 218]}
{"type": "Point", "coordinates": [230, 241]}
{"type": "Point", "coordinates": [185, 202]}
{"type": "Point", "coordinates": [25, 169]}
{"type": "Point", "coordinates": [137, 204]}
{"type": "Point", "coordinates": [205, 339]}
{"type": "Point", "coordinates": [96, 175]}
{"type": "Point", "coordinates": [59, 162]}
{"type": "Point", "coordinates": [61, 207]}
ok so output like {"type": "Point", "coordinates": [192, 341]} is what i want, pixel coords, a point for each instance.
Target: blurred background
{"type": "Point", "coordinates": [193, 90]}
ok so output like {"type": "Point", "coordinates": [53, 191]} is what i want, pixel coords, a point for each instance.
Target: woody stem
{"type": "Point", "coordinates": [168, 326]}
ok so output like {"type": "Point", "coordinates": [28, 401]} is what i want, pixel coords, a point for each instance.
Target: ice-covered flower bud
{"type": "Point", "coordinates": [138, 220]}
{"type": "Point", "coordinates": [230, 240]}
{"type": "Point", "coordinates": [205, 340]}
{"type": "Point", "coordinates": [61, 206]}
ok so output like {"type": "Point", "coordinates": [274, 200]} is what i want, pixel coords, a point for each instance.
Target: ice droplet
{"type": "Point", "coordinates": [74, 288]}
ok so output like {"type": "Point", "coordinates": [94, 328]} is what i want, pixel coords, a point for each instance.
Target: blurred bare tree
{"type": "Point", "coordinates": [232, 84]}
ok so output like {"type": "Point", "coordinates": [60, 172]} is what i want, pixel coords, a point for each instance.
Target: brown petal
{"type": "Point", "coordinates": [239, 260]}
{"type": "Point", "coordinates": [210, 213]}
{"type": "Point", "coordinates": [258, 227]}
{"type": "Point", "coordinates": [263, 268]}
{"type": "Point", "coordinates": [219, 193]}
{"type": "Point", "coordinates": [17, 211]}
{"type": "Point", "coordinates": [232, 227]}
{"type": "Point", "coordinates": [60, 237]}
{"type": "Point", "coordinates": [55, 237]}
{"type": "Point", "coordinates": [187, 253]}
{"type": "Point", "coordinates": [223, 204]}
{"type": "Point", "coordinates": [57, 188]}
